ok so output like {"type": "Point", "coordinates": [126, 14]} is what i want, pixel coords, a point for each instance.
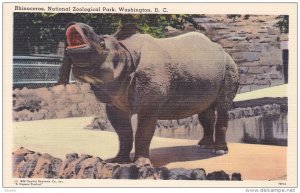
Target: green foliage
{"type": "Point", "coordinates": [283, 23]}
{"type": "Point", "coordinates": [45, 30]}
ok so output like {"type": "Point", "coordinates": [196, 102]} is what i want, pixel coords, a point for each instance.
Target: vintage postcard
{"type": "Point", "coordinates": [150, 95]}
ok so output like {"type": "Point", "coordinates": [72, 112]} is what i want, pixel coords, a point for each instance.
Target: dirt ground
{"type": "Point", "coordinates": [59, 137]}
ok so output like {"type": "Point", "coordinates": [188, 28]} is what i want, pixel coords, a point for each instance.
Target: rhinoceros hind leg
{"type": "Point", "coordinates": [223, 104]}
{"type": "Point", "coordinates": [220, 134]}
{"type": "Point", "coordinates": [207, 120]}
{"type": "Point", "coordinates": [122, 125]}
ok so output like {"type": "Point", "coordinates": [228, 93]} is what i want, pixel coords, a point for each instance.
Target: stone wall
{"type": "Point", "coordinates": [255, 42]}
{"type": "Point", "coordinates": [73, 100]}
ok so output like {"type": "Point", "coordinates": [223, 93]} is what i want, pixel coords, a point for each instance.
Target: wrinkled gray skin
{"type": "Point", "coordinates": [169, 78]}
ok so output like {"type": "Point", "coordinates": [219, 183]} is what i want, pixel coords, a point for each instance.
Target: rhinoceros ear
{"type": "Point", "coordinates": [126, 31]}
{"type": "Point", "coordinates": [69, 24]}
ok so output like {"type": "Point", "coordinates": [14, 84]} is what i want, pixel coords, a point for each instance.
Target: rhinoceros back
{"type": "Point", "coordinates": [183, 74]}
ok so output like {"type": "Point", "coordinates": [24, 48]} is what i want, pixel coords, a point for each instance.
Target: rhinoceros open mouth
{"type": "Point", "coordinates": [76, 37]}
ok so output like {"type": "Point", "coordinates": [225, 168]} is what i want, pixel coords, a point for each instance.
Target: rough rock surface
{"type": "Point", "coordinates": [236, 177]}
{"type": "Point", "coordinates": [185, 174]}
{"type": "Point", "coordinates": [30, 164]}
{"type": "Point", "coordinates": [72, 100]}
{"type": "Point", "coordinates": [218, 175]}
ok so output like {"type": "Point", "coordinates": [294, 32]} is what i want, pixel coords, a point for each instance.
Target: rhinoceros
{"type": "Point", "coordinates": [157, 79]}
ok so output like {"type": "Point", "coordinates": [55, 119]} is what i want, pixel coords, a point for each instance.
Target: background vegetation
{"type": "Point", "coordinates": [46, 30]}
{"type": "Point", "coordinates": [43, 31]}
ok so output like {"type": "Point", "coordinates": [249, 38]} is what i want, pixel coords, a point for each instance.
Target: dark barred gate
{"type": "Point", "coordinates": [36, 71]}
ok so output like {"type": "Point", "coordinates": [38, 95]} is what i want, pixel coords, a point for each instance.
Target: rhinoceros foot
{"type": "Point", "coordinates": [206, 143]}
{"type": "Point", "coordinates": [120, 159]}
{"type": "Point", "coordinates": [220, 149]}
{"type": "Point", "coordinates": [220, 152]}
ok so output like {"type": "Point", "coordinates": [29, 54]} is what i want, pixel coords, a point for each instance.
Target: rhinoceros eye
{"type": "Point", "coordinates": [102, 44]}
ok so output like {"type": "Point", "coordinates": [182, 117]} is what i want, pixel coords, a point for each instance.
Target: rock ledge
{"type": "Point", "coordinates": [30, 164]}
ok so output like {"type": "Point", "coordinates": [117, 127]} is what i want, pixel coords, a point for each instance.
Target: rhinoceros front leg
{"type": "Point", "coordinates": [122, 124]}
{"type": "Point", "coordinates": [65, 70]}
{"type": "Point", "coordinates": [143, 137]}
{"type": "Point", "coordinates": [207, 120]}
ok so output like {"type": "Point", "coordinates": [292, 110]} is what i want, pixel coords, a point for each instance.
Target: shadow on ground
{"type": "Point", "coordinates": [162, 156]}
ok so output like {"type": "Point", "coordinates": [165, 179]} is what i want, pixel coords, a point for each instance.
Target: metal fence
{"type": "Point", "coordinates": [36, 71]}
